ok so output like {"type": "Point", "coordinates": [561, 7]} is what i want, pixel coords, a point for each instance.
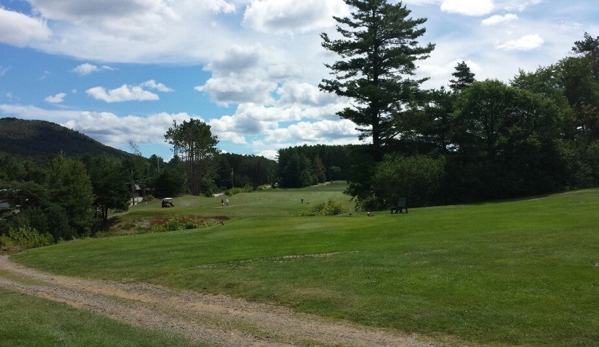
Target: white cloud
{"type": "Point", "coordinates": [32, 112]}
{"type": "Point", "coordinates": [304, 94]}
{"type": "Point", "coordinates": [468, 7]}
{"type": "Point", "coordinates": [4, 70]}
{"type": "Point", "coordinates": [494, 20]}
{"type": "Point", "coordinates": [136, 31]}
{"type": "Point", "coordinates": [233, 89]}
{"type": "Point", "coordinates": [291, 16]}
{"type": "Point", "coordinates": [123, 93]}
{"type": "Point", "coordinates": [117, 131]}
{"type": "Point", "coordinates": [86, 69]}
{"type": "Point", "coordinates": [158, 86]}
{"type": "Point", "coordinates": [269, 154]}
{"type": "Point", "coordinates": [238, 59]}
{"type": "Point", "coordinates": [516, 5]}
{"type": "Point", "coordinates": [56, 99]}
{"type": "Point", "coordinates": [525, 43]}
{"type": "Point", "coordinates": [20, 30]}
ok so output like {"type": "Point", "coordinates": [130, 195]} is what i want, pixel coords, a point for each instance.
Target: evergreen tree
{"type": "Point", "coordinates": [589, 48]}
{"type": "Point", "coordinates": [379, 50]}
{"type": "Point", "coordinates": [196, 146]}
{"type": "Point", "coordinates": [72, 196]}
{"type": "Point", "coordinates": [463, 78]}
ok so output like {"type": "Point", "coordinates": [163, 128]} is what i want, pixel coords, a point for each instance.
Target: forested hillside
{"type": "Point", "coordinates": [37, 137]}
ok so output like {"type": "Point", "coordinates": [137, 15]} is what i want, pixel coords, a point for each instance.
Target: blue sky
{"type": "Point", "coordinates": [122, 71]}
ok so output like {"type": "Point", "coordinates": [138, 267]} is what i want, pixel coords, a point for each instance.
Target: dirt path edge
{"type": "Point", "coordinates": [217, 319]}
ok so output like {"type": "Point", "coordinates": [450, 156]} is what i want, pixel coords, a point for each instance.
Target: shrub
{"type": "Point", "coordinates": [148, 197]}
{"type": "Point", "coordinates": [331, 208]}
{"type": "Point", "coordinates": [26, 238]}
{"type": "Point", "coordinates": [174, 224]}
{"type": "Point", "coordinates": [237, 190]}
{"type": "Point", "coordinates": [417, 178]}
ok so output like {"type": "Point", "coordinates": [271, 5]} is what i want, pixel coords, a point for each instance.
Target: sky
{"type": "Point", "coordinates": [122, 71]}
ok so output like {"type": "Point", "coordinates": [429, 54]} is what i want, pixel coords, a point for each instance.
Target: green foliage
{"type": "Point", "coordinates": [419, 179]}
{"type": "Point", "coordinates": [71, 190]}
{"type": "Point", "coordinates": [177, 223]}
{"type": "Point", "coordinates": [238, 190]}
{"type": "Point", "coordinates": [464, 77]}
{"type": "Point", "coordinates": [25, 238]}
{"type": "Point", "coordinates": [241, 170]}
{"type": "Point", "coordinates": [378, 52]}
{"type": "Point", "coordinates": [148, 197]}
{"type": "Point", "coordinates": [170, 182]}
{"type": "Point", "coordinates": [330, 208]}
{"type": "Point", "coordinates": [507, 138]}
{"type": "Point", "coordinates": [109, 183]}
{"type": "Point", "coordinates": [194, 143]}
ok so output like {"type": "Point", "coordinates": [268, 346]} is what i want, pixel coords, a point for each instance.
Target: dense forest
{"type": "Point", "coordinates": [470, 141]}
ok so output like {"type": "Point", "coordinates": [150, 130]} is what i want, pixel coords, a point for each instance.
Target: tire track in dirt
{"type": "Point", "coordinates": [214, 319]}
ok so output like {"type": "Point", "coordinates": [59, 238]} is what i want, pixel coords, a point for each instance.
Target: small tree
{"type": "Point", "coordinates": [71, 192]}
{"type": "Point", "coordinates": [196, 147]}
{"type": "Point", "coordinates": [463, 78]}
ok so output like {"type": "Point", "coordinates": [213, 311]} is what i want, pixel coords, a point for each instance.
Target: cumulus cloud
{"type": "Point", "coordinates": [326, 131]}
{"type": "Point", "coordinates": [305, 94]}
{"type": "Point", "coordinates": [232, 89]}
{"type": "Point", "coordinates": [158, 86]}
{"type": "Point", "coordinates": [525, 43]}
{"type": "Point", "coordinates": [56, 99]}
{"type": "Point", "coordinates": [117, 131]}
{"type": "Point", "coordinates": [516, 5]}
{"type": "Point", "coordinates": [468, 7]}
{"type": "Point", "coordinates": [86, 69]}
{"type": "Point", "coordinates": [19, 30]}
{"type": "Point", "coordinates": [238, 59]}
{"type": "Point", "coordinates": [33, 112]}
{"type": "Point", "coordinates": [291, 16]}
{"type": "Point", "coordinates": [123, 93]}
{"type": "Point", "coordinates": [494, 20]}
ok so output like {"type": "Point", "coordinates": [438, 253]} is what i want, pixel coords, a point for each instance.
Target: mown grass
{"type": "Point", "coordinates": [30, 321]}
{"type": "Point", "coordinates": [513, 273]}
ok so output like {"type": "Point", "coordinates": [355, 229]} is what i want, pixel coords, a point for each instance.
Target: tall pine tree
{"type": "Point", "coordinates": [379, 49]}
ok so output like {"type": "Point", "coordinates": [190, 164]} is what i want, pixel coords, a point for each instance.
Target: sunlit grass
{"type": "Point", "coordinates": [522, 272]}
{"type": "Point", "coordinates": [30, 321]}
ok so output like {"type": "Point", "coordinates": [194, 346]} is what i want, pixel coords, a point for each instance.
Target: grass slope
{"type": "Point", "coordinates": [30, 321]}
{"type": "Point", "coordinates": [517, 273]}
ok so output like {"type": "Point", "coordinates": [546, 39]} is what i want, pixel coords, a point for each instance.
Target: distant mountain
{"type": "Point", "coordinates": [37, 137]}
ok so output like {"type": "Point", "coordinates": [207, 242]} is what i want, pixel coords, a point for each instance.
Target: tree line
{"type": "Point", "coordinates": [70, 197]}
{"type": "Point", "coordinates": [472, 141]}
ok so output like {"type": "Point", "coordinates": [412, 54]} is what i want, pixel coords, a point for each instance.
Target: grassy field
{"type": "Point", "coordinates": [513, 273]}
{"type": "Point", "coordinates": [30, 321]}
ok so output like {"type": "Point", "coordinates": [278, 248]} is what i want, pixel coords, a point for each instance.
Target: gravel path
{"type": "Point", "coordinates": [215, 319]}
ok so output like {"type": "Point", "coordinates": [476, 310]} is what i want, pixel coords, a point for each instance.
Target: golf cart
{"type": "Point", "coordinates": [167, 202]}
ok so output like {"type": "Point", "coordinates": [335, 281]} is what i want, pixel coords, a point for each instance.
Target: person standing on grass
{"type": "Point", "coordinates": [227, 202]}
{"type": "Point", "coordinates": [222, 202]}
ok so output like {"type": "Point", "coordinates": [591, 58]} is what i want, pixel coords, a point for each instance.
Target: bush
{"type": "Point", "coordinates": [331, 208]}
{"type": "Point", "coordinates": [174, 224]}
{"type": "Point", "coordinates": [237, 190]}
{"type": "Point", "coordinates": [25, 238]}
{"type": "Point", "coordinates": [417, 178]}
{"type": "Point", "coordinates": [148, 197]}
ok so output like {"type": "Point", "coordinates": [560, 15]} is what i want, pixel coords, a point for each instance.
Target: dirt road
{"type": "Point", "coordinates": [210, 318]}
